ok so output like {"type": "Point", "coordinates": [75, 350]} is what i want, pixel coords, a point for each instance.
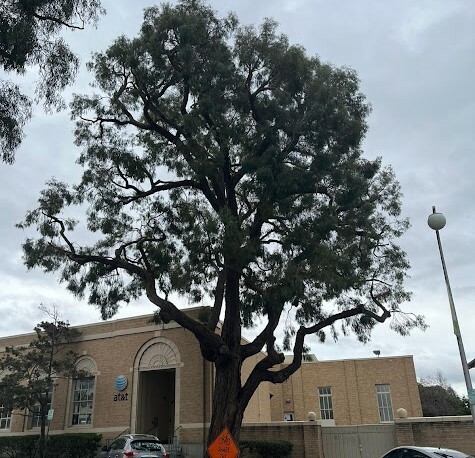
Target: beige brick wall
{"type": "Point", "coordinates": [258, 409]}
{"type": "Point", "coordinates": [449, 432]}
{"type": "Point", "coordinates": [353, 389]}
{"type": "Point", "coordinates": [404, 434]}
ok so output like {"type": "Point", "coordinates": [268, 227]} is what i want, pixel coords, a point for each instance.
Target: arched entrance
{"type": "Point", "coordinates": [156, 396]}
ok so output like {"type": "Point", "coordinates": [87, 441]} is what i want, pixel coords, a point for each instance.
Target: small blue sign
{"type": "Point", "coordinates": [121, 383]}
{"type": "Point", "coordinates": [471, 396]}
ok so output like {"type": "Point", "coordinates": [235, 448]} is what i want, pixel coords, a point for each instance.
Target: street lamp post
{"type": "Point", "coordinates": [436, 221]}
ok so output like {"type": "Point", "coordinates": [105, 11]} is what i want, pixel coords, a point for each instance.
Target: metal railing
{"type": "Point", "coordinates": [109, 441]}
{"type": "Point", "coordinates": [174, 446]}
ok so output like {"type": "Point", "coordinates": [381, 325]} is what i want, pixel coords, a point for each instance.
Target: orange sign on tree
{"type": "Point", "coordinates": [223, 446]}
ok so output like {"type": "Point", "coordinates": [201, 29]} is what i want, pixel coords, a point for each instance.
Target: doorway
{"type": "Point", "coordinates": [156, 403]}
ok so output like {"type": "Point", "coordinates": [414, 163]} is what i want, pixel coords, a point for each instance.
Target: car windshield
{"type": "Point", "coordinates": [147, 445]}
{"type": "Point", "coordinates": [451, 454]}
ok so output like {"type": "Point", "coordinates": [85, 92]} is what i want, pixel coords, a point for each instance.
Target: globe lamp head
{"type": "Point", "coordinates": [436, 221]}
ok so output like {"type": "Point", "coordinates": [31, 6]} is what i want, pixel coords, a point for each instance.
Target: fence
{"type": "Point", "coordinates": [366, 441]}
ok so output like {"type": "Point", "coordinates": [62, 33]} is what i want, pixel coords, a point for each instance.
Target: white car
{"type": "Point", "coordinates": [424, 452]}
{"type": "Point", "coordinates": [135, 445]}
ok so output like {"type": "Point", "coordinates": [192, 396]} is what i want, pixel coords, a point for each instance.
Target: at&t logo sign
{"type": "Point", "coordinates": [120, 384]}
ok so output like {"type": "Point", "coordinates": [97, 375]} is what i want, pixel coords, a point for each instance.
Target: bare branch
{"type": "Point", "coordinates": [59, 21]}
{"type": "Point", "coordinates": [62, 230]}
{"type": "Point", "coordinates": [218, 300]}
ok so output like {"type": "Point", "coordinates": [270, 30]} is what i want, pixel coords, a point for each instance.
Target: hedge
{"type": "Point", "coordinates": [18, 446]}
{"type": "Point", "coordinates": [267, 449]}
{"type": "Point", "coordinates": [57, 446]}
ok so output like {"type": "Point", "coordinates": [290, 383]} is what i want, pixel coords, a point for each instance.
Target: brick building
{"type": "Point", "coordinates": [152, 379]}
{"type": "Point", "coordinates": [348, 392]}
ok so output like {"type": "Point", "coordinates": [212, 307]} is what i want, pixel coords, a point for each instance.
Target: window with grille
{"type": "Point", "coordinates": [83, 397]}
{"type": "Point", "coordinates": [5, 418]}
{"type": "Point", "coordinates": [385, 406]}
{"type": "Point", "coordinates": [36, 412]}
{"type": "Point", "coordinates": [326, 403]}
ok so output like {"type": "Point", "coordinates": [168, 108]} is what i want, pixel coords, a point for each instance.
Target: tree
{"type": "Point", "coordinates": [29, 36]}
{"type": "Point", "coordinates": [29, 373]}
{"type": "Point", "coordinates": [438, 398]}
{"type": "Point", "coordinates": [224, 165]}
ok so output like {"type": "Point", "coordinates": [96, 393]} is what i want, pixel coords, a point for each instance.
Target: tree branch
{"type": "Point", "coordinates": [212, 345]}
{"type": "Point", "coordinates": [218, 300]}
{"type": "Point", "coordinates": [163, 186]}
{"type": "Point", "coordinates": [62, 231]}
{"type": "Point", "coordinates": [58, 21]}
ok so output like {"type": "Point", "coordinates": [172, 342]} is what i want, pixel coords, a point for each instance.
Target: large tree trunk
{"type": "Point", "coordinates": [227, 411]}
{"type": "Point", "coordinates": [42, 439]}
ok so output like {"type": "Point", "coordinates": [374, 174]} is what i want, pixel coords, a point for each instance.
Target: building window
{"type": "Point", "coordinates": [36, 416]}
{"type": "Point", "coordinates": [36, 412]}
{"type": "Point", "coordinates": [83, 397]}
{"type": "Point", "coordinates": [5, 418]}
{"type": "Point", "coordinates": [83, 392]}
{"type": "Point", "coordinates": [326, 403]}
{"type": "Point", "coordinates": [385, 406]}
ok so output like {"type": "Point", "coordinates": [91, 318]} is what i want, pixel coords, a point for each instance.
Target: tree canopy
{"type": "Point", "coordinates": [438, 398]}
{"type": "Point", "coordinates": [30, 36]}
{"type": "Point", "coordinates": [224, 166]}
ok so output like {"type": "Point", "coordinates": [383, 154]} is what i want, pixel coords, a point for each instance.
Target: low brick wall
{"type": "Point", "coordinates": [305, 436]}
{"type": "Point", "coordinates": [451, 432]}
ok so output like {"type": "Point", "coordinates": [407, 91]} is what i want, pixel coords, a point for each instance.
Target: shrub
{"type": "Point", "coordinates": [18, 446]}
{"type": "Point", "coordinates": [267, 449]}
{"type": "Point", "coordinates": [73, 445]}
{"type": "Point", "coordinates": [58, 446]}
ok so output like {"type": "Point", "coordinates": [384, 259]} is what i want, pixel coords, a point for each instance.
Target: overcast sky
{"type": "Point", "coordinates": [416, 62]}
